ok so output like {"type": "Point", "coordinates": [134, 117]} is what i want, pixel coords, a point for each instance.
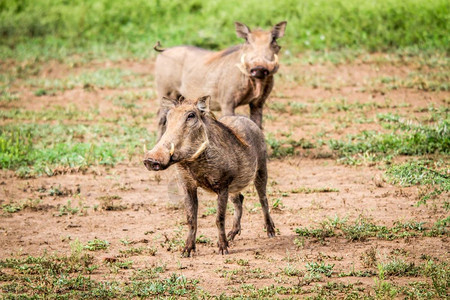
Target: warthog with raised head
{"type": "Point", "coordinates": [222, 156]}
{"type": "Point", "coordinates": [239, 75]}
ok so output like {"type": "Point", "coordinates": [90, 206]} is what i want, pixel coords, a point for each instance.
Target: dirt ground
{"type": "Point", "coordinates": [147, 209]}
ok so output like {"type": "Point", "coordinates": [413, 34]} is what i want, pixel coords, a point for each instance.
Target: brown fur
{"type": "Point", "coordinates": [195, 72]}
{"type": "Point", "coordinates": [218, 55]}
{"type": "Point", "coordinates": [234, 157]}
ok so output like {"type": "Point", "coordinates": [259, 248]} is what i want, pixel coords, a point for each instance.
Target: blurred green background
{"type": "Point", "coordinates": [31, 28]}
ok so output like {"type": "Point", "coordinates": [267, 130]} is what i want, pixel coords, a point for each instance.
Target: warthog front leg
{"type": "Point", "coordinates": [260, 184]}
{"type": "Point", "coordinates": [220, 220]}
{"type": "Point", "coordinates": [191, 204]}
{"type": "Point", "coordinates": [256, 113]}
{"type": "Point", "coordinates": [227, 107]}
{"type": "Point", "coordinates": [237, 200]}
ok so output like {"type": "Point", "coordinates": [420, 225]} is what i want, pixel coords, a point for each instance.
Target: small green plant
{"type": "Point", "coordinates": [12, 208]}
{"type": "Point", "coordinates": [398, 267]}
{"type": "Point", "coordinates": [421, 172]}
{"type": "Point", "coordinates": [148, 273]}
{"type": "Point", "coordinates": [243, 262]}
{"type": "Point", "coordinates": [122, 264]}
{"type": "Point", "coordinates": [67, 209]}
{"type": "Point", "coordinates": [175, 243]}
{"type": "Point", "coordinates": [440, 227]}
{"type": "Point", "coordinates": [299, 242]}
{"type": "Point", "coordinates": [326, 230]}
{"type": "Point", "coordinates": [96, 245]}
{"type": "Point", "coordinates": [290, 270]}
{"type": "Point", "coordinates": [384, 289]}
{"type": "Point", "coordinates": [278, 107]}
{"type": "Point", "coordinates": [369, 258]}
{"type": "Point", "coordinates": [132, 251]}
{"type": "Point", "coordinates": [286, 147]}
{"type": "Point", "coordinates": [297, 108]}
{"type": "Point", "coordinates": [306, 190]}
{"type": "Point", "coordinates": [277, 204]}
{"type": "Point", "coordinates": [209, 211]}
{"type": "Point", "coordinates": [7, 96]}
{"type": "Point", "coordinates": [201, 239]}
{"type": "Point", "coordinates": [111, 203]}
{"type": "Point", "coordinates": [320, 268]}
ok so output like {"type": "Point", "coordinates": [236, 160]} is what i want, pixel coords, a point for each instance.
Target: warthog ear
{"type": "Point", "coordinates": [203, 103]}
{"type": "Point", "coordinates": [278, 30]}
{"type": "Point", "coordinates": [242, 30]}
{"type": "Point", "coordinates": [168, 103]}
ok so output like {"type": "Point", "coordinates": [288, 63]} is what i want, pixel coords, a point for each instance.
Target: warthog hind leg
{"type": "Point", "coordinates": [220, 221]}
{"type": "Point", "coordinates": [237, 200]}
{"type": "Point", "coordinates": [260, 184]}
{"type": "Point", "coordinates": [191, 203]}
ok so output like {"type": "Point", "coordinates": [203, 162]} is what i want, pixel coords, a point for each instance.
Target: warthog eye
{"type": "Point", "coordinates": [190, 116]}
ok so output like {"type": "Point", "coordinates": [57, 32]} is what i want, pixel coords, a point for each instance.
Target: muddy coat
{"type": "Point", "coordinates": [239, 75]}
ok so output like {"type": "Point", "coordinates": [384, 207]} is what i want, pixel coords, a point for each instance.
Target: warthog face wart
{"type": "Point", "coordinates": [259, 58]}
{"type": "Point", "coordinates": [185, 137]}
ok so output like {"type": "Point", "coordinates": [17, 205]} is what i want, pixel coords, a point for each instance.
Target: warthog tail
{"type": "Point", "coordinates": [158, 48]}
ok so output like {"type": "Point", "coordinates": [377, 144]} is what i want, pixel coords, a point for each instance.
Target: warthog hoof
{"type": "Point", "coordinates": [231, 235]}
{"type": "Point", "coordinates": [187, 251]}
{"type": "Point", "coordinates": [223, 247]}
{"type": "Point", "coordinates": [270, 229]}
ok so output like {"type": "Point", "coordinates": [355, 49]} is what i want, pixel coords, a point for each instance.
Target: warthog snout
{"type": "Point", "coordinates": [259, 72]}
{"type": "Point", "coordinates": [159, 158]}
{"type": "Point", "coordinates": [259, 68]}
{"type": "Point", "coordinates": [152, 165]}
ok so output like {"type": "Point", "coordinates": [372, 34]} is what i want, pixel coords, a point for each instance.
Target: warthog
{"type": "Point", "coordinates": [239, 75]}
{"type": "Point", "coordinates": [222, 156]}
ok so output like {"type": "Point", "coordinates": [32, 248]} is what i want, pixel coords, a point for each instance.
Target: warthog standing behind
{"type": "Point", "coordinates": [239, 75]}
{"type": "Point", "coordinates": [220, 156]}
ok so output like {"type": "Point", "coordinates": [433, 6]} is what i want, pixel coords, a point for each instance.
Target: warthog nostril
{"type": "Point", "coordinates": [152, 165]}
{"type": "Point", "coordinates": [259, 72]}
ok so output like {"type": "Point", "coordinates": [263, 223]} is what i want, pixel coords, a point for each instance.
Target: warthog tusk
{"type": "Point", "coordinates": [199, 151]}
{"type": "Point", "coordinates": [242, 69]}
{"type": "Point", "coordinates": [172, 149]}
{"type": "Point", "coordinates": [145, 148]}
{"type": "Point", "coordinates": [275, 59]}
{"type": "Point", "coordinates": [241, 66]}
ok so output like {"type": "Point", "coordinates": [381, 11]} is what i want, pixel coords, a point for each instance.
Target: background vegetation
{"type": "Point", "coordinates": [58, 27]}
{"type": "Point", "coordinates": [77, 98]}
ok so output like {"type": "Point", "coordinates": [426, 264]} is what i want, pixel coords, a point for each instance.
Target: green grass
{"type": "Point", "coordinates": [68, 209]}
{"type": "Point", "coordinates": [288, 146]}
{"type": "Point", "coordinates": [56, 113]}
{"type": "Point", "coordinates": [102, 78]}
{"type": "Point", "coordinates": [96, 245]}
{"type": "Point", "coordinates": [362, 229]}
{"type": "Point", "coordinates": [307, 190]}
{"type": "Point", "coordinates": [68, 277]}
{"type": "Point", "coordinates": [320, 268]}
{"type": "Point", "coordinates": [429, 81]}
{"type": "Point", "coordinates": [419, 172]}
{"type": "Point", "coordinates": [128, 100]}
{"type": "Point", "coordinates": [430, 174]}
{"type": "Point", "coordinates": [35, 149]}
{"type": "Point", "coordinates": [45, 28]}
{"type": "Point", "coordinates": [7, 97]}
{"type": "Point", "coordinates": [406, 138]}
